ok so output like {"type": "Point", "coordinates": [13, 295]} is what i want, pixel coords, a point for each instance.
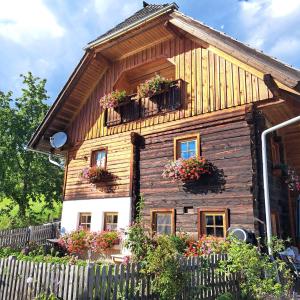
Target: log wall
{"type": "Point", "coordinates": [225, 141]}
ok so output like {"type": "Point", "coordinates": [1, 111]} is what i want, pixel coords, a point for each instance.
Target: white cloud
{"type": "Point", "coordinates": [112, 12]}
{"type": "Point", "coordinates": [272, 26]}
{"type": "Point", "coordinates": [27, 21]}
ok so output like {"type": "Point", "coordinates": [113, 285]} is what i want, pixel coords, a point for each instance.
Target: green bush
{"type": "Point", "coordinates": [258, 273]}
{"type": "Point", "coordinates": [163, 262]}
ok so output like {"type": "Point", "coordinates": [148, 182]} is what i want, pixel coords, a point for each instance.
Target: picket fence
{"type": "Point", "coordinates": [18, 238]}
{"type": "Point", "coordinates": [23, 280]}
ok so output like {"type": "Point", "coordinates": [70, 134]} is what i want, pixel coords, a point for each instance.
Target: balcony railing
{"type": "Point", "coordinates": [134, 109]}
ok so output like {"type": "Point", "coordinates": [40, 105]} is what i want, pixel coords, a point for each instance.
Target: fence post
{"type": "Point", "coordinates": [29, 235]}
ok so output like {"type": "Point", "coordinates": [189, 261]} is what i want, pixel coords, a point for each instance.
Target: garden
{"type": "Point", "coordinates": [171, 262]}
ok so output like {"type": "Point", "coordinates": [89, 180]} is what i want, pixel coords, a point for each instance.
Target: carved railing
{"type": "Point", "coordinates": [134, 109]}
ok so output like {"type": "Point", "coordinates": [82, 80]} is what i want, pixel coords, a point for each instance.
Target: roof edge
{"type": "Point", "coordinates": [285, 74]}
{"type": "Point", "coordinates": [100, 41]}
{"type": "Point", "coordinates": [83, 62]}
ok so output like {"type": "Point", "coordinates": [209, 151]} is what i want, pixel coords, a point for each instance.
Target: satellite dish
{"type": "Point", "coordinates": [243, 235]}
{"type": "Point", "coordinates": [58, 139]}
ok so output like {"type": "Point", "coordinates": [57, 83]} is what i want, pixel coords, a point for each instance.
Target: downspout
{"type": "Point", "coordinates": [265, 175]}
{"type": "Point", "coordinates": [60, 165]}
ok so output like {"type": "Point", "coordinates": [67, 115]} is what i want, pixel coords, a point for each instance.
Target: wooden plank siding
{"type": "Point", "coordinates": [212, 86]}
{"type": "Point", "coordinates": [211, 83]}
{"type": "Point", "coordinates": [227, 144]}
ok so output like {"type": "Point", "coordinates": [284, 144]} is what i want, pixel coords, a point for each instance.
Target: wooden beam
{"type": "Point", "coordinates": [278, 92]}
{"type": "Point", "coordinates": [297, 87]}
{"type": "Point", "coordinates": [130, 34]}
{"type": "Point", "coordinates": [272, 85]}
{"type": "Point", "coordinates": [173, 30]}
{"type": "Point", "coordinates": [104, 60]}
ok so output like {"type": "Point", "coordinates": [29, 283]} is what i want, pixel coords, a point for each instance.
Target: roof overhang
{"type": "Point", "coordinates": [132, 26]}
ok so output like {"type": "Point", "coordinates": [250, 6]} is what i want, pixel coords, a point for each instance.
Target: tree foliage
{"type": "Point", "coordinates": [25, 176]}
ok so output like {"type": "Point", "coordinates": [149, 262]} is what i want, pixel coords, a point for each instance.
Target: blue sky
{"type": "Point", "coordinates": [46, 37]}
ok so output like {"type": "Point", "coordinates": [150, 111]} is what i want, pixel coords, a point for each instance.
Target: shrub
{"type": "Point", "coordinates": [190, 169]}
{"type": "Point", "coordinates": [105, 240]}
{"type": "Point", "coordinates": [113, 99]}
{"type": "Point", "coordinates": [163, 262]}
{"type": "Point", "coordinates": [138, 241]}
{"type": "Point", "coordinates": [258, 273]}
{"type": "Point", "coordinates": [80, 241]}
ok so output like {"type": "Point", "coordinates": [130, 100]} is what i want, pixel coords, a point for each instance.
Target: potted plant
{"type": "Point", "coordinates": [292, 179]}
{"type": "Point", "coordinates": [93, 174]}
{"type": "Point", "coordinates": [114, 99]}
{"type": "Point", "coordinates": [152, 87]}
{"type": "Point", "coordinates": [191, 169]}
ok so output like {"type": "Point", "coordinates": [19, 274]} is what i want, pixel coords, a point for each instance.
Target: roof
{"type": "Point", "coordinates": [288, 76]}
{"type": "Point", "coordinates": [145, 13]}
{"type": "Point", "coordinates": [280, 71]}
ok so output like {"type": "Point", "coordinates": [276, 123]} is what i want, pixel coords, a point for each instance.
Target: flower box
{"type": "Point", "coordinates": [94, 174]}
{"type": "Point", "coordinates": [187, 170]}
{"type": "Point", "coordinates": [152, 87]}
{"type": "Point", "coordinates": [114, 99]}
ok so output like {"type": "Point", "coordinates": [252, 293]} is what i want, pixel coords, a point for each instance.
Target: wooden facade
{"type": "Point", "coordinates": [220, 93]}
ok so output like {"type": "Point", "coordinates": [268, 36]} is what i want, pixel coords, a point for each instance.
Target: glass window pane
{"type": "Point", "coordinates": [192, 145]}
{"type": "Point", "coordinates": [209, 231]}
{"type": "Point", "coordinates": [100, 158]}
{"type": "Point", "coordinates": [219, 232]}
{"type": "Point", "coordinates": [209, 220]}
{"type": "Point", "coordinates": [163, 229]}
{"type": "Point", "coordinates": [115, 219]}
{"type": "Point", "coordinates": [192, 154]}
{"type": "Point", "coordinates": [184, 155]}
{"type": "Point", "coordinates": [219, 220]}
{"type": "Point", "coordinates": [89, 219]}
{"type": "Point", "coordinates": [183, 146]}
{"type": "Point", "coordinates": [163, 218]}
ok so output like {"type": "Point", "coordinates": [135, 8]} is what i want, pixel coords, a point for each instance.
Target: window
{"type": "Point", "coordinates": [99, 158]}
{"type": "Point", "coordinates": [110, 221]}
{"type": "Point", "coordinates": [187, 146]}
{"type": "Point", "coordinates": [163, 221]}
{"type": "Point", "coordinates": [213, 222]}
{"type": "Point", "coordinates": [85, 221]}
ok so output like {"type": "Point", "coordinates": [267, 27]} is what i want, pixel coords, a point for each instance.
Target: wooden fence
{"type": "Point", "coordinates": [21, 236]}
{"type": "Point", "coordinates": [22, 280]}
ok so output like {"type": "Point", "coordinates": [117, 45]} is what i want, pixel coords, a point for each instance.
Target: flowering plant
{"type": "Point", "coordinates": [152, 86]}
{"type": "Point", "coordinates": [105, 240]}
{"type": "Point", "coordinates": [93, 174]}
{"type": "Point", "coordinates": [80, 241]}
{"type": "Point", "coordinates": [113, 99]}
{"type": "Point", "coordinates": [77, 241]}
{"type": "Point", "coordinates": [187, 169]}
{"type": "Point", "coordinates": [206, 245]}
{"type": "Point", "coordinates": [292, 179]}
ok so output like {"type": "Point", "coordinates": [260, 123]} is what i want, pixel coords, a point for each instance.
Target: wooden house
{"type": "Point", "coordinates": [222, 95]}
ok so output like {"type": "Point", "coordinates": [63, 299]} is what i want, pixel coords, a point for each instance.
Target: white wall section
{"type": "Point", "coordinates": [97, 207]}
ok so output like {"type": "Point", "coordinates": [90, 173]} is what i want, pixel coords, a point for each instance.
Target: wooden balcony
{"type": "Point", "coordinates": [134, 109]}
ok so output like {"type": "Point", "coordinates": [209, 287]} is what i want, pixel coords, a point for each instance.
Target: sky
{"type": "Point", "coordinates": [47, 37]}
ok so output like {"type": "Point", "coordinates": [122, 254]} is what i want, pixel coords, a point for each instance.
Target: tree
{"type": "Point", "coordinates": [25, 176]}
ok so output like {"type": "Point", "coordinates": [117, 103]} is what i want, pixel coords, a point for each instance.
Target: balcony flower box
{"type": "Point", "coordinates": [187, 170]}
{"type": "Point", "coordinates": [114, 99]}
{"type": "Point", "coordinates": [152, 87]}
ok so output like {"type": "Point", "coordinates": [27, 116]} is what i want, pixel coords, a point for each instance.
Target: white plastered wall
{"type": "Point", "coordinates": [97, 207]}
